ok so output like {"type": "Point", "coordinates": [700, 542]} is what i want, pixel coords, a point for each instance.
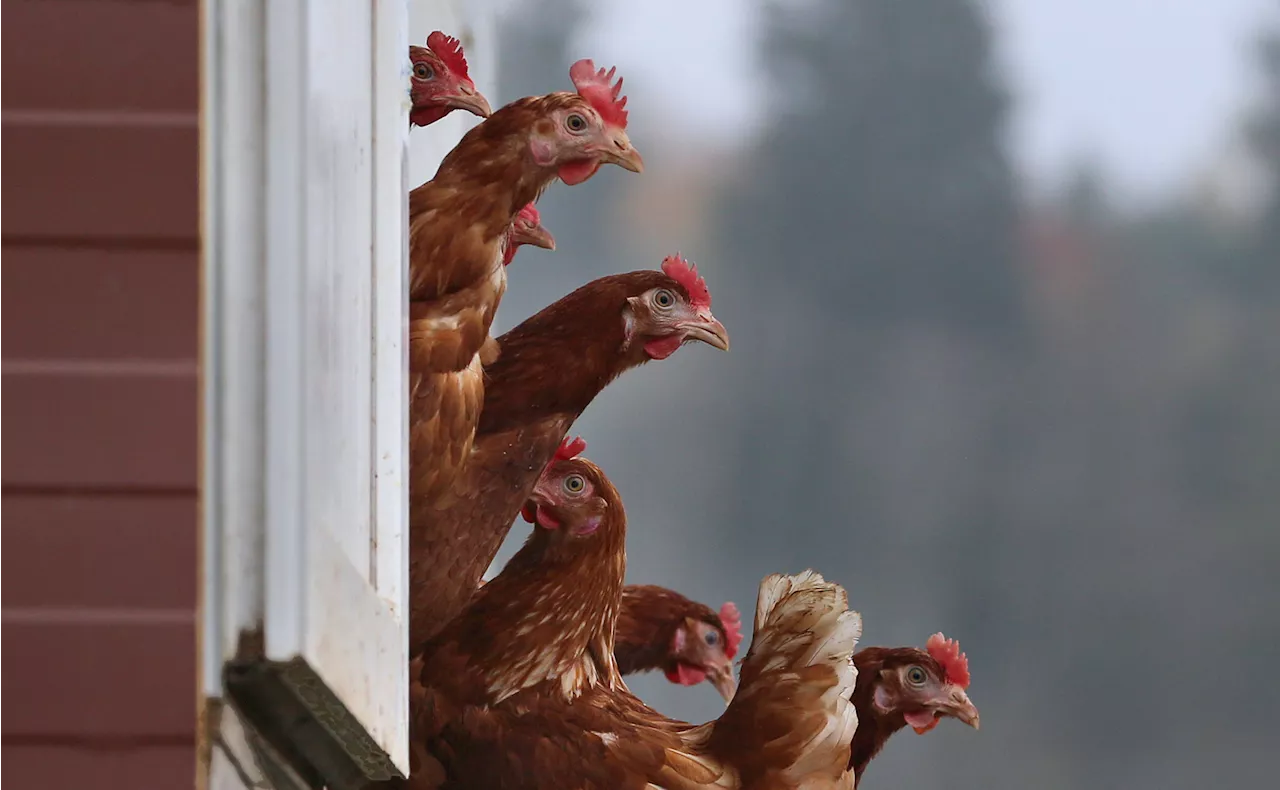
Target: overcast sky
{"type": "Point", "coordinates": [1148, 86]}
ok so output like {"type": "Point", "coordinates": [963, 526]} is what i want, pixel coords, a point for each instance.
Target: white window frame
{"type": "Point", "coordinates": [306, 164]}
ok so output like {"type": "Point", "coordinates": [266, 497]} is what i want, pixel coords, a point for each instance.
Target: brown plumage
{"type": "Point", "coordinates": [574, 566]}
{"type": "Point", "coordinates": [522, 690]}
{"type": "Point", "coordinates": [661, 629]}
{"type": "Point", "coordinates": [480, 715]}
{"type": "Point", "coordinates": [689, 641]}
{"type": "Point", "coordinates": [898, 686]}
{"type": "Point", "coordinates": [459, 223]}
{"type": "Point", "coordinates": [549, 369]}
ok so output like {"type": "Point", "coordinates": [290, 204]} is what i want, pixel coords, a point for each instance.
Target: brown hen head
{"type": "Point", "coordinates": [531, 141]}
{"type": "Point", "coordinates": [557, 361]}
{"type": "Point", "coordinates": [903, 686]}
{"type": "Point", "coordinates": [527, 229]}
{"type": "Point", "coordinates": [689, 641]}
{"type": "Point", "coordinates": [441, 83]}
{"type": "Point", "coordinates": [570, 499]}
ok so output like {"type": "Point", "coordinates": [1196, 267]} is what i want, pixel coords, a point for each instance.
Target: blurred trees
{"type": "Point", "coordinates": [536, 41]}
{"type": "Point", "coordinates": [884, 150]}
{"type": "Point", "coordinates": [878, 219]}
{"type": "Point", "coordinates": [1265, 136]}
{"type": "Point", "coordinates": [1051, 429]}
{"type": "Point", "coordinates": [1054, 428]}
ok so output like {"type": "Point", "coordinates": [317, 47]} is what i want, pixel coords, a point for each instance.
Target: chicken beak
{"type": "Point", "coordinates": [622, 153]}
{"type": "Point", "coordinates": [722, 678]}
{"type": "Point", "coordinates": [958, 706]}
{"type": "Point", "coordinates": [538, 236]}
{"type": "Point", "coordinates": [708, 329]}
{"type": "Point", "coordinates": [469, 99]}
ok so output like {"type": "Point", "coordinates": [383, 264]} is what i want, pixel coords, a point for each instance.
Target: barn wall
{"type": "Point", "coordinates": [99, 383]}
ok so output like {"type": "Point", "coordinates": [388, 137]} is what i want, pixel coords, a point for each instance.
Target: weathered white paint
{"type": "Point", "coordinates": [390, 308]}
{"type": "Point", "coordinates": [306, 171]}
{"type": "Point", "coordinates": [233, 159]}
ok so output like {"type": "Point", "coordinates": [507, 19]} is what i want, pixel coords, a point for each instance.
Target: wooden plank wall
{"type": "Point", "coordinates": [100, 294]}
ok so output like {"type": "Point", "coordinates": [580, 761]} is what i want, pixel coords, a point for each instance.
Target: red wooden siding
{"type": "Point", "coordinates": [100, 294]}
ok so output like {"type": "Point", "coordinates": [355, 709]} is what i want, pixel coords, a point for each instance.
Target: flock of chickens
{"type": "Point", "coordinates": [517, 683]}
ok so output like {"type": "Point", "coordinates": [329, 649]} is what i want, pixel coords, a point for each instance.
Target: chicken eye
{"type": "Point", "coordinates": [575, 123]}
{"type": "Point", "coordinates": [663, 299]}
{"type": "Point", "coordinates": [422, 71]}
{"type": "Point", "coordinates": [711, 638]}
{"type": "Point", "coordinates": [916, 676]}
{"type": "Point", "coordinates": [573, 484]}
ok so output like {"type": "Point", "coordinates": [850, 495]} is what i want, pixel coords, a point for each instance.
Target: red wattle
{"type": "Point", "coordinates": [663, 347]}
{"type": "Point", "coordinates": [684, 674]}
{"type": "Point", "coordinates": [546, 520]}
{"type": "Point", "coordinates": [921, 720]}
{"type": "Point", "coordinates": [573, 173]}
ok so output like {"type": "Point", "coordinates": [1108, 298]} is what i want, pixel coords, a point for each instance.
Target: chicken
{"type": "Point", "coordinates": [458, 227]}
{"type": "Point", "coordinates": [526, 229]}
{"type": "Point", "coordinates": [522, 689]}
{"type": "Point", "coordinates": [549, 370]}
{"type": "Point", "coordinates": [661, 629]}
{"type": "Point", "coordinates": [440, 83]}
{"type": "Point", "coordinates": [902, 686]}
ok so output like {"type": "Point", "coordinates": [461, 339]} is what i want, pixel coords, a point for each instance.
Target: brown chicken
{"type": "Point", "coordinates": [527, 229]}
{"type": "Point", "coordinates": [661, 629]}
{"type": "Point", "coordinates": [440, 82]}
{"type": "Point", "coordinates": [458, 227]}
{"type": "Point", "coordinates": [901, 686]}
{"type": "Point", "coordinates": [896, 687]}
{"type": "Point", "coordinates": [522, 689]}
{"type": "Point", "coordinates": [549, 370]}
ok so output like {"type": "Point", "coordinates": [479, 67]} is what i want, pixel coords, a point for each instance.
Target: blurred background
{"type": "Point", "coordinates": [1003, 283]}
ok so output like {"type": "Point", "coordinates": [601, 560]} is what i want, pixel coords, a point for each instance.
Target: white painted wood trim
{"type": "Point", "coordinates": [233, 241]}
{"type": "Point", "coordinates": [306, 170]}
{"type": "Point", "coordinates": [336, 534]}
{"type": "Point", "coordinates": [286, 248]}
{"type": "Point", "coordinates": [390, 302]}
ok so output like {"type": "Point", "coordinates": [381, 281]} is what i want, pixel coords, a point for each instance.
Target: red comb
{"type": "Point", "coordinates": [449, 50]}
{"type": "Point", "coordinates": [680, 270]}
{"type": "Point", "coordinates": [598, 88]}
{"type": "Point", "coordinates": [947, 653]}
{"type": "Point", "coordinates": [570, 448]}
{"type": "Point", "coordinates": [530, 214]}
{"type": "Point", "coordinates": [732, 623]}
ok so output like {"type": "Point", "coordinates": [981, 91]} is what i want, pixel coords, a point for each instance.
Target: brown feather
{"type": "Point", "coordinates": [459, 222]}
{"type": "Point", "coordinates": [521, 690]}
{"type": "Point", "coordinates": [548, 370]}
{"type": "Point", "coordinates": [577, 586]}
{"type": "Point", "coordinates": [491, 692]}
